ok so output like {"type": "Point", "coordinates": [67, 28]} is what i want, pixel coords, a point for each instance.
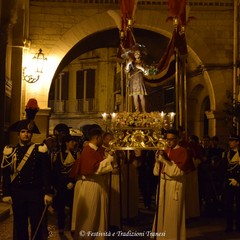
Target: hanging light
{"type": "Point", "coordinates": [38, 63]}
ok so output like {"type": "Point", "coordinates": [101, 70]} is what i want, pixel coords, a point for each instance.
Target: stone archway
{"type": "Point", "coordinates": [87, 27]}
{"type": "Point", "coordinates": [155, 22]}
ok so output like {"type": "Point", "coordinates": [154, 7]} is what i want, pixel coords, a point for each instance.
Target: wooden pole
{"type": "Point", "coordinates": [185, 99]}
{"type": "Point", "coordinates": [177, 89]}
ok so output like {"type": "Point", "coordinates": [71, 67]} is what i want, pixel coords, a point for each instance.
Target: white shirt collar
{"type": "Point", "coordinates": [93, 146]}
{"type": "Point", "coordinates": [177, 146]}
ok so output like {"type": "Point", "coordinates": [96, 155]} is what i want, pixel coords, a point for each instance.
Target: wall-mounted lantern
{"type": "Point", "coordinates": [38, 63]}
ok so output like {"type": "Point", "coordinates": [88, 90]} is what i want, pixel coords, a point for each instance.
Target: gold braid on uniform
{"type": "Point", "coordinates": [8, 158]}
{"type": "Point", "coordinates": [232, 163]}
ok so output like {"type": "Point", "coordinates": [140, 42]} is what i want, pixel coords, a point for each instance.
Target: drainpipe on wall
{"type": "Point", "coordinates": [177, 90]}
{"type": "Point", "coordinates": [3, 46]}
{"type": "Point", "coordinates": [235, 55]}
{"type": "Point", "coordinates": [235, 48]}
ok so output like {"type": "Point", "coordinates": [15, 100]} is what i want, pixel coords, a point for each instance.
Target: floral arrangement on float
{"type": "Point", "coordinates": [139, 119]}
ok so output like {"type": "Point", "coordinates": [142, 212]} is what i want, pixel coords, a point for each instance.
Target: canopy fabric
{"type": "Point", "coordinates": [128, 8]}
{"type": "Point", "coordinates": [177, 44]}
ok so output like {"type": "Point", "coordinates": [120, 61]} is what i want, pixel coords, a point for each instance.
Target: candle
{"type": "Point", "coordinates": [104, 115]}
{"type": "Point", "coordinates": [171, 116]}
{"type": "Point", "coordinates": [162, 114]}
{"type": "Point", "coordinates": [113, 115]}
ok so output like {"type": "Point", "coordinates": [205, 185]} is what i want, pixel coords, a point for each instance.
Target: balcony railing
{"type": "Point", "coordinates": [86, 106]}
{"type": "Point", "coordinates": [73, 106]}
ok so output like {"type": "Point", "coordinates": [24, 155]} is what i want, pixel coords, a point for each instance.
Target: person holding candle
{"type": "Point", "coordinates": [172, 165]}
{"type": "Point", "coordinates": [90, 204]}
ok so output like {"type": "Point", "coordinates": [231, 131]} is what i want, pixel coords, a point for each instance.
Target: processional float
{"type": "Point", "coordinates": [141, 130]}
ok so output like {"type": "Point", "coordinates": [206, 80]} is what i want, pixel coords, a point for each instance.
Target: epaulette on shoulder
{"type": "Point", "coordinates": [42, 148]}
{"type": "Point", "coordinates": [8, 150]}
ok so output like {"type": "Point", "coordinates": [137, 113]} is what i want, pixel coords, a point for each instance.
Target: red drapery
{"type": "Point", "coordinates": [166, 64]}
{"type": "Point", "coordinates": [177, 11]}
{"type": "Point", "coordinates": [177, 8]}
{"type": "Point", "coordinates": [128, 8]}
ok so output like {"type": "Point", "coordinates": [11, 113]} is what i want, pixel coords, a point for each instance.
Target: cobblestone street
{"type": "Point", "coordinates": [141, 224]}
{"type": "Point", "coordinates": [204, 228]}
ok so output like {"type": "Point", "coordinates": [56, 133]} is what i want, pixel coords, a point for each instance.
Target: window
{"type": "Point", "coordinates": [85, 90]}
{"type": "Point", "coordinates": [59, 87]}
{"type": "Point", "coordinates": [58, 94]}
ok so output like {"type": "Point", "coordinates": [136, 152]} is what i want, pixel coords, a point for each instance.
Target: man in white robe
{"type": "Point", "coordinates": [90, 206]}
{"type": "Point", "coordinates": [172, 166]}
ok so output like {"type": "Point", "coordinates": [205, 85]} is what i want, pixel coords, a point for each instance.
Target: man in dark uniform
{"type": "Point", "coordinates": [26, 181]}
{"type": "Point", "coordinates": [60, 131]}
{"type": "Point", "coordinates": [62, 183]}
{"type": "Point", "coordinates": [231, 161]}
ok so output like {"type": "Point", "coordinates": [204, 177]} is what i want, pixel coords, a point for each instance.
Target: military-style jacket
{"type": "Point", "coordinates": [34, 174]}
{"type": "Point", "coordinates": [232, 165]}
{"type": "Point", "coordinates": [62, 167]}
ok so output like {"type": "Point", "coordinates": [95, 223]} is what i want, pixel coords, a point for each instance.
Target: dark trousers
{"type": "Point", "coordinates": [64, 197]}
{"type": "Point", "coordinates": [232, 197]}
{"type": "Point", "coordinates": [28, 206]}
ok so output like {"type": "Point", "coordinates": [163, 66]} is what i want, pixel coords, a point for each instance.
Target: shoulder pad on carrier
{"type": "Point", "coordinates": [8, 150]}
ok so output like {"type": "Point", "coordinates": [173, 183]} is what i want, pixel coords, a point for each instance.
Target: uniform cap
{"type": "Point", "coordinates": [30, 125]}
{"type": "Point", "coordinates": [61, 128]}
{"type": "Point", "coordinates": [68, 138]}
{"type": "Point", "coordinates": [234, 137]}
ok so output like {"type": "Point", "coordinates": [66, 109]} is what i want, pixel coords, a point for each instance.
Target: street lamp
{"type": "Point", "coordinates": [38, 63]}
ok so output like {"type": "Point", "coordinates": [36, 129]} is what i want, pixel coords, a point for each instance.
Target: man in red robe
{"type": "Point", "coordinates": [172, 164]}
{"type": "Point", "coordinates": [90, 204]}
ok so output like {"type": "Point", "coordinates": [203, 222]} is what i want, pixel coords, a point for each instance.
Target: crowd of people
{"type": "Point", "coordinates": [100, 187]}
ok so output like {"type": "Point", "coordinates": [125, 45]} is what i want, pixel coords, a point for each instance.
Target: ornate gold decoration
{"type": "Point", "coordinates": [138, 130]}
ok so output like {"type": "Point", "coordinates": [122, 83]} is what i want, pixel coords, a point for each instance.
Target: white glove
{"type": "Point", "coordinates": [233, 182]}
{"type": "Point", "coordinates": [47, 199]}
{"type": "Point", "coordinates": [160, 156]}
{"type": "Point", "coordinates": [70, 185]}
{"type": "Point", "coordinates": [110, 158]}
{"type": "Point", "coordinates": [7, 199]}
{"type": "Point", "coordinates": [159, 159]}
